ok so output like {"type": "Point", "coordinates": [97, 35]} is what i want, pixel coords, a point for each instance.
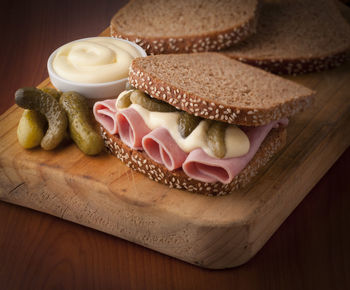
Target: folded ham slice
{"type": "Point", "coordinates": [162, 148]}
{"type": "Point", "coordinates": [105, 113]}
{"type": "Point", "coordinates": [131, 127]}
{"type": "Point", "coordinates": [202, 167]}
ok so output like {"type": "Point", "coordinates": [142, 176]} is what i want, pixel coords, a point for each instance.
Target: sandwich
{"type": "Point", "coordinates": [200, 122]}
{"type": "Point", "coordinates": [296, 36]}
{"type": "Point", "coordinates": [184, 26]}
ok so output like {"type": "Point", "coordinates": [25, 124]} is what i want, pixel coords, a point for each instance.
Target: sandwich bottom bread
{"type": "Point", "coordinates": [141, 162]}
{"type": "Point", "coordinates": [200, 122]}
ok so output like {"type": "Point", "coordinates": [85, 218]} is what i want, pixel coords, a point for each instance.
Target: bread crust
{"type": "Point", "coordinates": [211, 41]}
{"type": "Point", "coordinates": [139, 161]}
{"type": "Point", "coordinates": [198, 106]}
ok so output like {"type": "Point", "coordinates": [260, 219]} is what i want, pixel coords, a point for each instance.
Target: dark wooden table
{"type": "Point", "coordinates": [311, 250]}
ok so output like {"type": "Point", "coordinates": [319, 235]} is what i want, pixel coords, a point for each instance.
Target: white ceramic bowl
{"type": "Point", "coordinates": [90, 90]}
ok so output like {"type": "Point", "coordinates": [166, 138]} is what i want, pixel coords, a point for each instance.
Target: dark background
{"type": "Point", "coordinates": [37, 251]}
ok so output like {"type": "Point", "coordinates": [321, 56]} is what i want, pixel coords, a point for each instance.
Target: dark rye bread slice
{"type": "Point", "coordinates": [214, 86]}
{"type": "Point", "coordinates": [139, 161]}
{"type": "Point", "coordinates": [162, 26]}
{"type": "Point", "coordinates": [296, 36]}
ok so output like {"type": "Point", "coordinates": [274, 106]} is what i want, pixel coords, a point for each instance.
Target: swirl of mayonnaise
{"type": "Point", "coordinates": [94, 60]}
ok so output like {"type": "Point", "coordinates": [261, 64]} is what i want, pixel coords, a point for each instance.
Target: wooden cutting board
{"type": "Point", "coordinates": [213, 232]}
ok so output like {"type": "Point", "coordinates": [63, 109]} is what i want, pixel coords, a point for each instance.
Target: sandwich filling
{"type": "Point", "coordinates": [206, 150]}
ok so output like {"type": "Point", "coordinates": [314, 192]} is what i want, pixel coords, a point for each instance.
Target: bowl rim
{"type": "Point", "coordinates": [52, 72]}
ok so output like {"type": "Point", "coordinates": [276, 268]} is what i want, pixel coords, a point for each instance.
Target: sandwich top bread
{"type": "Point", "coordinates": [214, 87]}
{"type": "Point", "coordinates": [161, 26]}
{"type": "Point", "coordinates": [174, 143]}
{"type": "Point", "coordinates": [296, 36]}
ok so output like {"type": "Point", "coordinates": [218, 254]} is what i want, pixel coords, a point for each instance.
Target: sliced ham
{"type": "Point", "coordinates": [106, 114]}
{"type": "Point", "coordinates": [132, 128]}
{"type": "Point", "coordinates": [201, 166]}
{"type": "Point", "coordinates": [162, 148]}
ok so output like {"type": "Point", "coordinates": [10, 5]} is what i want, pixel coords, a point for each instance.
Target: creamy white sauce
{"type": "Point", "coordinates": [236, 141]}
{"type": "Point", "coordinates": [94, 60]}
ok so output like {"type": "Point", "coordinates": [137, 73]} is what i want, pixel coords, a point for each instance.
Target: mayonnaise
{"type": "Point", "coordinates": [236, 141]}
{"type": "Point", "coordinates": [94, 60]}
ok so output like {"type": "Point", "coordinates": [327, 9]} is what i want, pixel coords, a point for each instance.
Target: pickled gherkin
{"type": "Point", "coordinates": [216, 138]}
{"type": "Point", "coordinates": [31, 129]}
{"type": "Point", "coordinates": [123, 100]}
{"type": "Point", "coordinates": [35, 99]}
{"type": "Point", "coordinates": [52, 92]}
{"type": "Point", "coordinates": [151, 104]}
{"type": "Point", "coordinates": [79, 116]}
{"type": "Point", "coordinates": [187, 123]}
{"type": "Point", "coordinates": [57, 94]}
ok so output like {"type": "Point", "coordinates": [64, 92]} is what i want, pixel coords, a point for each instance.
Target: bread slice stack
{"type": "Point", "coordinates": [280, 36]}
{"type": "Point", "coordinates": [184, 26]}
{"type": "Point", "coordinates": [214, 87]}
{"type": "Point", "coordinates": [296, 36]}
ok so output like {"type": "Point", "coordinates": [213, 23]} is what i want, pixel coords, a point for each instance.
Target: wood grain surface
{"type": "Point", "coordinates": [309, 251]}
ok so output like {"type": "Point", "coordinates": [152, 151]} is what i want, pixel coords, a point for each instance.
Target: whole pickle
{"type": "Point", "coordinates": [151, 104]}
{"type": "Point", "coordinates": [35, 99]}
{"type": "Point", "coordinates": [79, 116]}
{"type": "Point", "coordinates": [216, 138]}
{"type": "Point", "coordinates": [57, 94]}
{"type": "Point", "coordinates": [31, 129]}
{"type": "Point", "coordinates": [187, 123]}
{"type": "Point", "coordinates": [52, 92]}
